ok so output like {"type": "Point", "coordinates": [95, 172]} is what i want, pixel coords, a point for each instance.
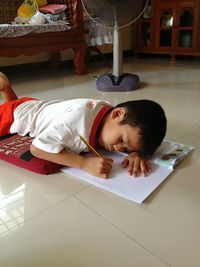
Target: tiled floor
{"type": "Point", "coordinates": [59, 221]}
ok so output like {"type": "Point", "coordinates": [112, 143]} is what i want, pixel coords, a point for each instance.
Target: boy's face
{"type": "Point", "coordinates": [119, 137]}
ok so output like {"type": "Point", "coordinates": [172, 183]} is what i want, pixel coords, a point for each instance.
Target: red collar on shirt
{"type": "Point", "coordinates": [96, 123]}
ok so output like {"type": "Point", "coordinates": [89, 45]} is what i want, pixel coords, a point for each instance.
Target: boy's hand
{"type": "Point", "coordinates": [96, 166]}
{"type": "Point", "coordinates": [136, 165]}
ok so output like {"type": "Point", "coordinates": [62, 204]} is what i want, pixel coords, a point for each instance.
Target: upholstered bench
{"type": "Point", "coordinates": [18, 40]}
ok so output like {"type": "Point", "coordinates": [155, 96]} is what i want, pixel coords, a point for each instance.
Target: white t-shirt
{"type": "Point", "coordinates": [56, 125]}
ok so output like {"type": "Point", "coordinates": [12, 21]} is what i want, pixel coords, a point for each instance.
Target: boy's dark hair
{"type": "Point", "coordinates": [150, 117]}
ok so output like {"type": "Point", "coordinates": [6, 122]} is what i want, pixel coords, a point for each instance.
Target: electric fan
{"type": "Point", "coordinates": [115, 14]}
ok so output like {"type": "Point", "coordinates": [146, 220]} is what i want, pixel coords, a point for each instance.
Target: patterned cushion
{"type": "Point", "coordinates": [9, 30]}
{"type": "Point", "coordinates": [15, 149]}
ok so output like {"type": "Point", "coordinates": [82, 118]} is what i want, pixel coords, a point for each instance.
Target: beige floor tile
{"type": "Point", "coordinates": [42, 224]}
{"type": "Point", "coordinates": [196, 132]}
{"type": "Point", "coordinates": [70, 234]}
{"type": "Point", "coordinates": [23, 195]}
{"type": "Point", "coordinates": [69, 185]}
{"type": "Point", "coordinates": [168, 221]}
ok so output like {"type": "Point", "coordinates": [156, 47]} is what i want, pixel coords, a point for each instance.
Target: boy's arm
{"type": "Point", "coordinates": [96, 166]}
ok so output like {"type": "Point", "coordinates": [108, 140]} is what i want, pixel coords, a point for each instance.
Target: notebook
{"type": "Point", "coordinates": [136, 189]}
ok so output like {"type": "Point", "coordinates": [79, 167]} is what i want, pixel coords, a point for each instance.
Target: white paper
{"type": "Point", "coordinates": [121, 183]}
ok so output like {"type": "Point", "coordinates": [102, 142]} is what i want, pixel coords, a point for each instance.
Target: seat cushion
{"type": "Point", "coordinates": [15, 149]}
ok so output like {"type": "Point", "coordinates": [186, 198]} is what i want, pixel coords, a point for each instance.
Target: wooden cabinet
{"type": "Point", "coordinates": [169, 27]}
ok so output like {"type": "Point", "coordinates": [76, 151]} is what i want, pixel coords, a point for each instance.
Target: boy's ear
{"type": "Point", "coordinates": [118, 113]}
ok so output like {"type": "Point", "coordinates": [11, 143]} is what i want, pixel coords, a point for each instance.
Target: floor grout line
{"type": "Point", "coordinates": [122, 232]}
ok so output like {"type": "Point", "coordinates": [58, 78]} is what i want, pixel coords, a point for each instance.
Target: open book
{"type": "Point", "coordinates": [137, 189]}
{"type": "Point", "coordinates": [170, 153]}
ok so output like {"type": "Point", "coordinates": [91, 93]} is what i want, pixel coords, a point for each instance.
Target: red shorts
{"type": "Point", "coordinates": [6, 114]}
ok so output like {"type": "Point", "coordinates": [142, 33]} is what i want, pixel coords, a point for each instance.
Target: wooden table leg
{"type": "Point", "coordinates": [80, 58]}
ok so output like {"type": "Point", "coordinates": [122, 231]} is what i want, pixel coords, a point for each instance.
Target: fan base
{"type": "Point", "coordinates": [125, 82]}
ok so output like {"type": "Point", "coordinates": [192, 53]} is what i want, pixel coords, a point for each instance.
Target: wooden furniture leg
{"type": "Point", "coordinates": [79, 58]}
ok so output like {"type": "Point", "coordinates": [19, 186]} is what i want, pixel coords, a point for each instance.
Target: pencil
{"type": "Point", "coordinates": [90, 147]}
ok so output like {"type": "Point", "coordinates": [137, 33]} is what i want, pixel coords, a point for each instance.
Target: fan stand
{"type": "Point", "coordinates": [126, 82]}
{"type": "Point", "coordinates": [117, 81]}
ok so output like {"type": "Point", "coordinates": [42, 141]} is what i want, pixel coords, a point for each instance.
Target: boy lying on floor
{"type": "Point", "coordinates": [137, 127]}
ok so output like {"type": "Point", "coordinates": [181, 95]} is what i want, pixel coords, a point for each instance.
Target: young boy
{"type": "Point", "coordinates": [137, 127]}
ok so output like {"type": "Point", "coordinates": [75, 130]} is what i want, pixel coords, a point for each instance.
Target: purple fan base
{"type": "Point", "coordinates": [125, 82]}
